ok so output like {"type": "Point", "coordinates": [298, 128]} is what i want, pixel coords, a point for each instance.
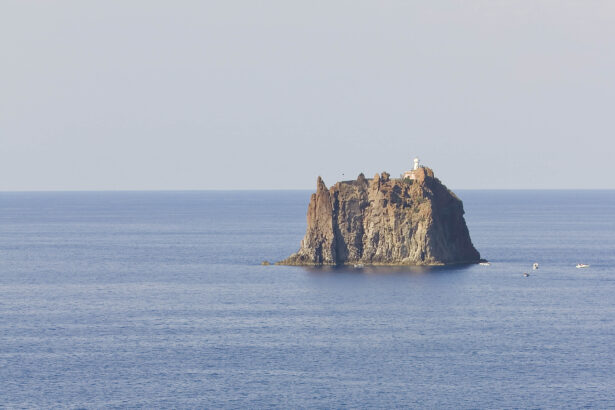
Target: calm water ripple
{"type": "Point", "coordinates": [158, 299]}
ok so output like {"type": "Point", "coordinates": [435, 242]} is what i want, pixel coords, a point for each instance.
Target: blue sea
{"type": "Point", "coordinates": [158, 300]}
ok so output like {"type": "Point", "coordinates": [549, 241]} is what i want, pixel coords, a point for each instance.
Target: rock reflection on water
{"type": "Point", "coordinates": [385, 269]}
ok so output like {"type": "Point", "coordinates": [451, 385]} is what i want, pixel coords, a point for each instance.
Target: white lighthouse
{"type": "Point", "coordinates": [415, 167]}
{"type": "Point", "coordinates": [416, 163]}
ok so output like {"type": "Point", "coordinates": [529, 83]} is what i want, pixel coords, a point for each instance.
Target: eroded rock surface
{"type": "Point", "coordinates": [384, 221]}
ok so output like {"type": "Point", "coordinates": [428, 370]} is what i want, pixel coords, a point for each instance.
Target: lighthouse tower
{"type": "Point", "coordinates": [411, 174]}
{"type": "Point", "coordinates": [416, 164]}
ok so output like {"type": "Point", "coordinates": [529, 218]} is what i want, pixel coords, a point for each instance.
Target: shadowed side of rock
{"type": "Point", "coordinates": [384, 221]}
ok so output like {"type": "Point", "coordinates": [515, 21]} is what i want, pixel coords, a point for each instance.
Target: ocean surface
{"type": "Point", "coordinates": [158, 299]}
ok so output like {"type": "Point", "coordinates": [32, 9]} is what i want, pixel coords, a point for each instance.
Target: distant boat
{"type": "Point", "coordinates": [535, 265]}
{"type": "Point", "coordinates": [484, 263]}
{"type": "Point", "coordinates": [526, 274]}
{"type": "Point", "coordinates": [359, 265]}
{"type": "Point", "coordinates": [582, 265]}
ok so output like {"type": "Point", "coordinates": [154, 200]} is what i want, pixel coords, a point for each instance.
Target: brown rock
{"type": "Point", "coordinates": [387, 222]}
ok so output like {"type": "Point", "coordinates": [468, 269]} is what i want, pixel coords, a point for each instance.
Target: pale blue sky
{"type": "Point", "coordinates": [271, 94]}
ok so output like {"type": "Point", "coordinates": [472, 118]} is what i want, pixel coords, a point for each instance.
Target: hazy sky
{"type": "Point", "coordinates": [271, 94]}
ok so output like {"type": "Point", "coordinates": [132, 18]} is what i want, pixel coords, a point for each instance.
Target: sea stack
{"type": "Point", "coordinates": [411, 220]}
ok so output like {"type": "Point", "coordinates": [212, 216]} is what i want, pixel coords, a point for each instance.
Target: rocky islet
{"type": "Point", "coordinates": [385, 221]}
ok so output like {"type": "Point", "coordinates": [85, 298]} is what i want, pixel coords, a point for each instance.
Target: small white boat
{"type": "Point", "coordinates": [484, 264]}
{"type": "Point", "coordinates": [526, 274]}
{"type": "Point", "coordinates": [359, 265]}
{"type": "Point", "coordinates": [582, 265]}
{"type": "Point", "coordinates": [535, 265]}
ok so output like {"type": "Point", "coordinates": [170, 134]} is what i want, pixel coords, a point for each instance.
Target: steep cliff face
{"type": "Point", "coordinates": [385, 221]}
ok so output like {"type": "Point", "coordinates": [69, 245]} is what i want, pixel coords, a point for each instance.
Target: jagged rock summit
{"type": "Point", "coordinates": [413, 220]}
